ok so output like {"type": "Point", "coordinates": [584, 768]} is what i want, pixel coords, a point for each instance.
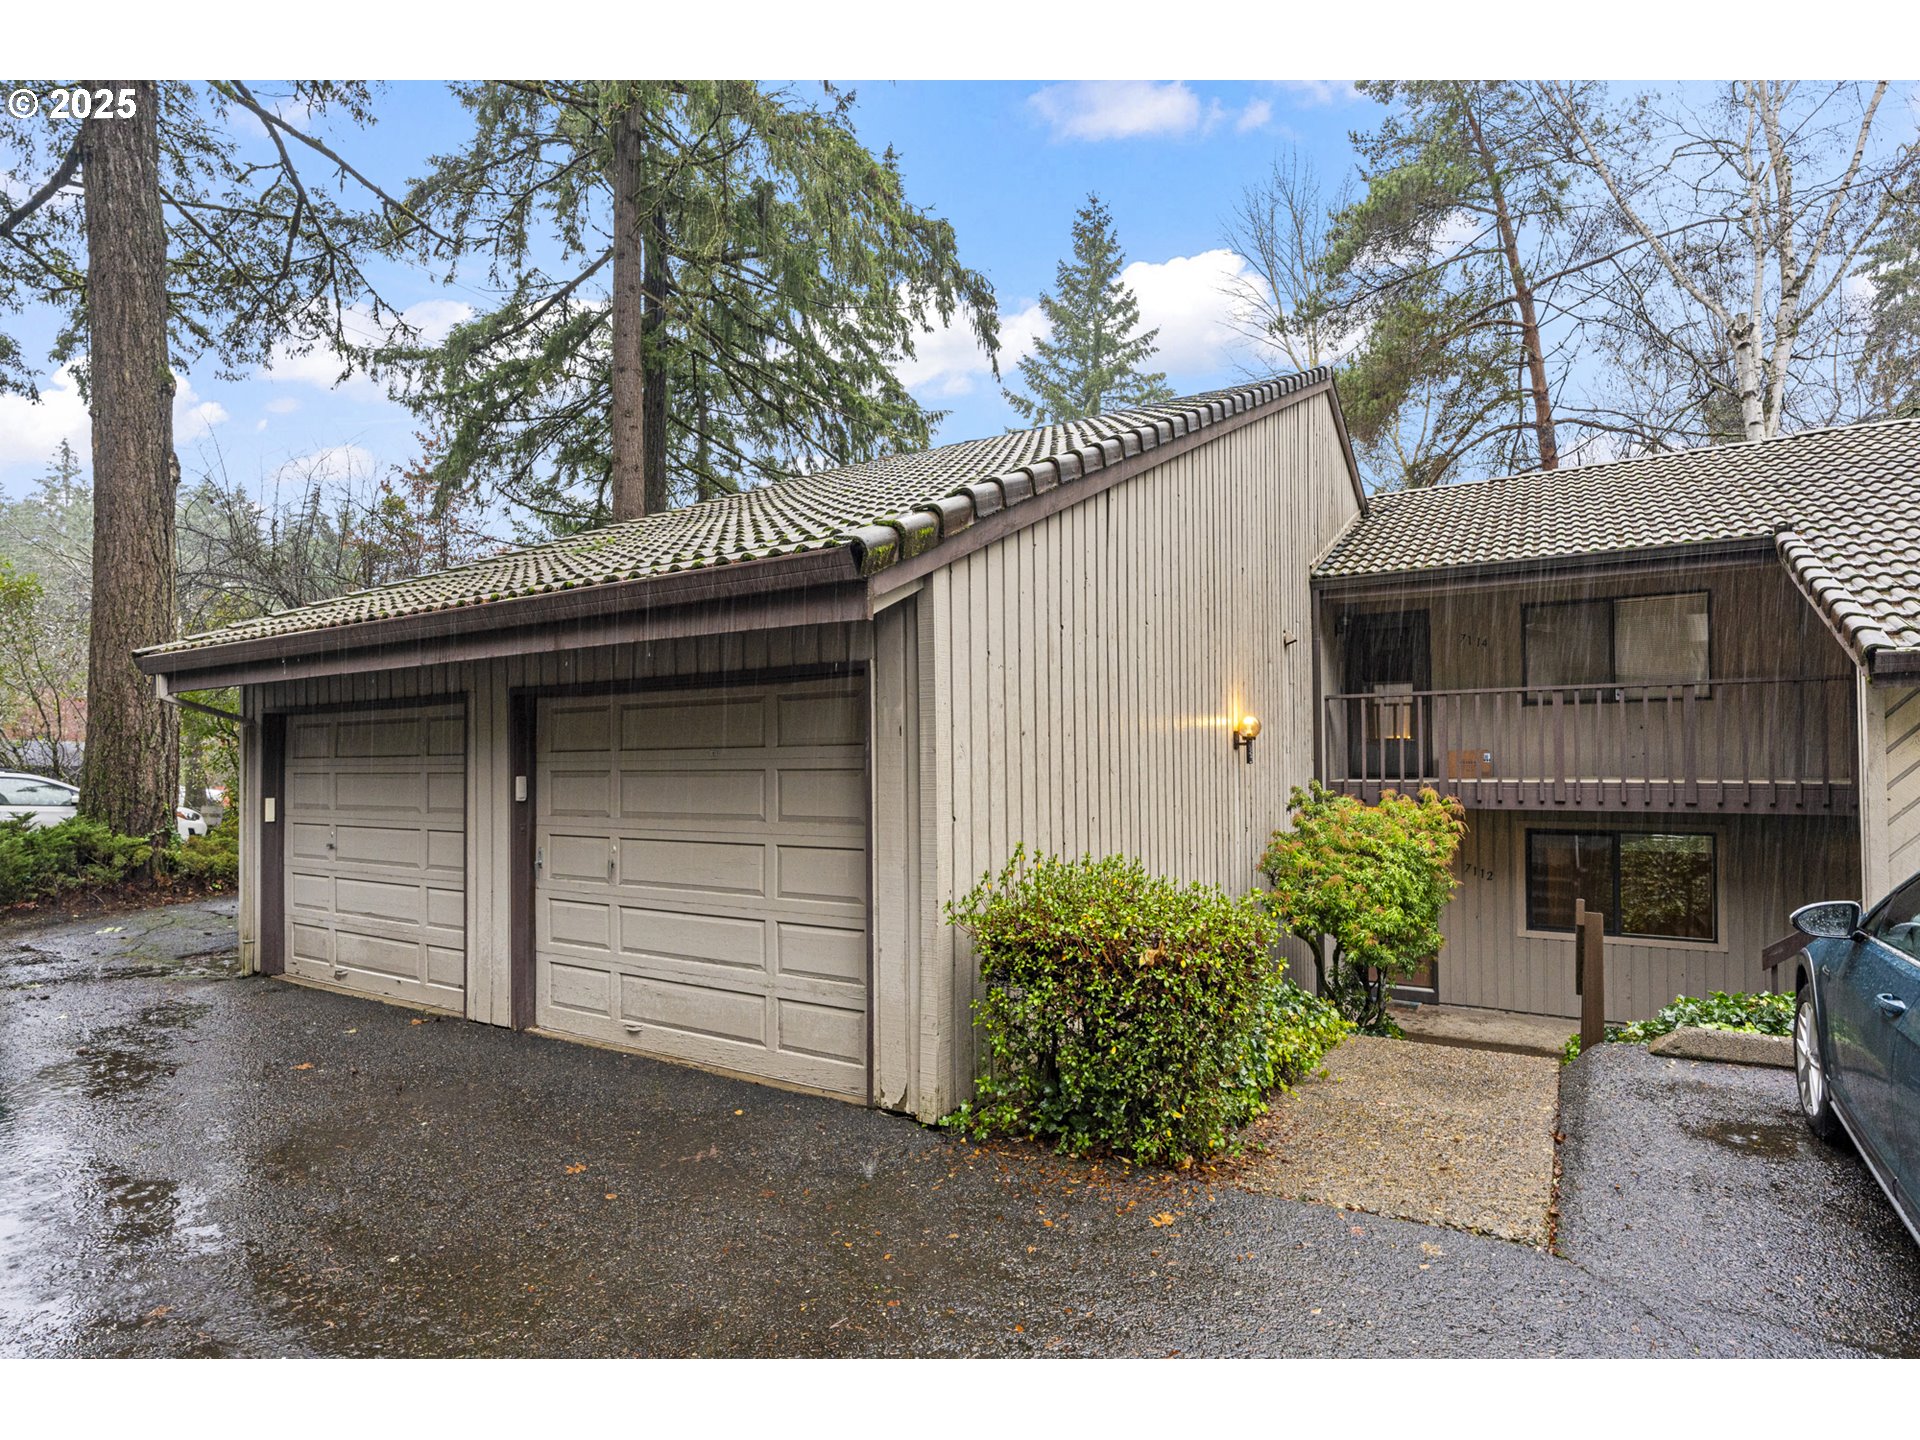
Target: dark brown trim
{"type": "Point", "coordinates": [692, 588]}
{"type": "Point", "coordinates": [732, 679]}
{"type": "Point", "coordinates": [1018, 517]}
{"type": "Point", "coordinates": [272, 918]}
{"type": "Point", "coordinates": [1894, 665]}
{"type": "Point", "coordinates": [1448, 580]}
{"type": "Point", "coordinates": [780, 611]}
{"type": "Point", "coordinates": [1655, 797]}
{"type": "Point", "coordinates": [521, 977]}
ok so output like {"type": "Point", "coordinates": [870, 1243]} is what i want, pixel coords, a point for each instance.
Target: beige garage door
{"type": "Point", "coordinates": [701, 877]}
{"type": "Point", "coordinates": [377, 853]}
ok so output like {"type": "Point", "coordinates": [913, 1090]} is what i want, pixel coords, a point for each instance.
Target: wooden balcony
{"type": "Point", "coordinates": [1773, 746]}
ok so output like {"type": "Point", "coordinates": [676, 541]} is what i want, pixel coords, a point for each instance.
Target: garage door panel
{"type": "Point", "coordinates": [817, 872]}
{"type": "Point", "coordinates": [567, 728]}
{"type": "Point", "coordinates": [819, 1030]}
{"type": "Point", "coordinates": [380, 900]}
{"type": "Point", "coordinates": [817, 953]}
{"type": "Point", "coordinates": [694, 1009]}
{"type": "Point", "coordinates": [376, 853]}
{"type": "Point", "coordinates": [823, 795]}
{"type": "Point", "coordinates": [583, 989]}
{"type": "Point", "coordinates": [723, 870]}
{"type": "Point", "coordinates": [587, 924]}
{"type": "Point", "coordinates": [738, 893]}
{"type": "Point", "coordinates": [820, 719]}
{"type": "Point", "coordinates": [570, 792]}
{"type": "Point", "coordinates": [680, 794]}
{"type": "Point", "coordinates": [716, 724]}
{"type": "Point", "coordinates": [648, 934]}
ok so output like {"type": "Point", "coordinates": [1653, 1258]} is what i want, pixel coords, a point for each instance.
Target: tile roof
{"type": "Point", "coordinates": [885, 511]}
{"type": "Point", "coordinates": [1841, 506]}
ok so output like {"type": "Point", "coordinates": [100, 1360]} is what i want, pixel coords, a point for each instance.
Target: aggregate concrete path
{"type": "Point", "coordinates": [194, 1164]}
{"type": "Point", "coordinates": [1435, 1133]}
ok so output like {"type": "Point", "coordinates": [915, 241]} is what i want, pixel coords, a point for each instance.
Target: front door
{"type": "Point", "coordinates": [1389, 666]}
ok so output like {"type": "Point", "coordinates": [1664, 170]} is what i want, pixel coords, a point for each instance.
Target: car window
{"type": "Point", "coordinates": [27, 792]}
{"type": "Point", "coordinates": [1897, 921]}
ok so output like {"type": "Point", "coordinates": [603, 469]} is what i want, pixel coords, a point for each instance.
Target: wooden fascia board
{"type": "Point", "coordinates": [687, 589]}
{"type": "Point", "coordinates": [778, 610]}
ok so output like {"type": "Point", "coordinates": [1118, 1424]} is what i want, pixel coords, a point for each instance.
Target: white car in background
{"type": "Point", "coordinates": [44, 802]}
{"type": "Point", "coordinates": [47, 802]}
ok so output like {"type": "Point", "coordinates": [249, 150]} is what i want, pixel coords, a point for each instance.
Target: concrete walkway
{"type": "Point", "coordinates": [1486, 1029]}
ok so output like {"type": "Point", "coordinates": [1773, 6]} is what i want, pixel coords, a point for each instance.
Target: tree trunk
{"type": "Point", "coordinates": [629, 497]}
{"type": "Point", "coordinates": [133, 741]}
{"type": "Point", "coordinates": [1546, 440]}
{"type": "Point", "coordinates": [653, 363]}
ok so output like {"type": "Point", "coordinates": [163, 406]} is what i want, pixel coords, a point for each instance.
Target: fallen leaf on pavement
{"type": "Point", "coordinates": [308, 1065]}
{"type": "Point", "coordinates": [1165, 1217]}
{"type": "Point", "coordinates": [575, 1169]}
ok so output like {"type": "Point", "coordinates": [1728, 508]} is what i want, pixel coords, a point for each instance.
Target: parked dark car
{"type": "Point", "coordinates": [1856, 1034]}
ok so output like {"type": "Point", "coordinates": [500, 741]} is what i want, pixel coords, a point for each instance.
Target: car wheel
{"type": "Point", "coordinates": [1816, 1099]}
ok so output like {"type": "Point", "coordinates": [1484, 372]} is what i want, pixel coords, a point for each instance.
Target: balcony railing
{"type": "Point", "coordinates": [1773, 745]}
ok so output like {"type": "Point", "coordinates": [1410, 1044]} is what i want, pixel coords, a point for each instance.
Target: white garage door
{"type": "Point", "coordinates": [377, 854]}
{"type": "Point", "coordinates": [701, 877]}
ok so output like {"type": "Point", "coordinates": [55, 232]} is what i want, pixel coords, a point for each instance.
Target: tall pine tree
{"type": "Point", "coordinates": [704, 284]}
{"type": "Point", "coordinates": [1090, 360]}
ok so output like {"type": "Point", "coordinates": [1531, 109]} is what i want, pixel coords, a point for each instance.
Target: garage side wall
{"type": "Point", "coordinates": [1889, 786]}
{"type": "Point", "coordinates": [484, 686]}
{"type": "Point", "coordinates": [1078, 683]}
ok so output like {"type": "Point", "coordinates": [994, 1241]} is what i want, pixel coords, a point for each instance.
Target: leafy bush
{"type": "Point", "coordinates": [1759, 1014]}
{"type": "Point", "coordinates": [1373, 877]}
{"type": "Point", "coordinates": [211, 860]}
{"type": "Point", "coordinates": [76, 854]}
{"type": "Point", "coordinates": [84, 855]}
{"type": "Point", "coordinates": [1129, 1011]}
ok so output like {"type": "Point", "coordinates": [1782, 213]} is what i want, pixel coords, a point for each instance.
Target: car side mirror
{"type": "Point", "coordinates": [1827, 919]}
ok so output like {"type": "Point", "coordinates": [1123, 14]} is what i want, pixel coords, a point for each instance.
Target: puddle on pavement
{"type": "Point", "coordinates": [1773, 1141]}
{"type": "Point", "coordinates": [122, 1060]}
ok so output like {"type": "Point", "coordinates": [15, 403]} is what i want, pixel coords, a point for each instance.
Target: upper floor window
{"type": "Point", "coordinates": [1625, 641]}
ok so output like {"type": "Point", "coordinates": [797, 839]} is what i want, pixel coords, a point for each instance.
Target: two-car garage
{"type": "Point", "coordinates": [698, 883]}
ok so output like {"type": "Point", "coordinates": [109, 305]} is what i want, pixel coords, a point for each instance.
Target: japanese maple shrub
{"type": "Point", "coordinates": [1130, 1011]}
{"type": "Point", "coordinates": [1371, 878]}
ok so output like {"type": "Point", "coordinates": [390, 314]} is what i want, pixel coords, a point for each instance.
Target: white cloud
{"type": "Point", "coordinates": [282, 405]}
{"type": "Point", "coordinates": [31, 430]}
{"type": "Point", "coordinates": [329, 466]}
{"type": "Point", "coordinates": [322, 368]}
{"type": "Point", "coordinates": [950, 363]}
{"type": "Point", "coordinates": [1323, 92]}
{"type": "Point", "coordinates": [1255, 116]}
{"type": "Point", "coordinates": [1190, 300]}
{"type": "Point", "coordinates": [193, 418]}
{"type": "Point", "coordinates": [1118, 109]}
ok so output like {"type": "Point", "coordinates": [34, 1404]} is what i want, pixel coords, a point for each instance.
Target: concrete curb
{"type": "Point", "coordinates": [1732, 1047]}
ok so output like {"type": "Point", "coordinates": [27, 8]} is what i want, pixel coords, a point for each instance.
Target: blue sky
{"type": "Point", "coordinates": [1007, 163]}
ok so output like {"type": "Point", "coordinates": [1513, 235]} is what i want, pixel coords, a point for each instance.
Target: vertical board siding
{"type": "Point", "coordinates": [1768, 865]}
{"type": "Point", "coordinates": [1079, 681]}
{"type": "Point", "coordinates": [1903, 783]}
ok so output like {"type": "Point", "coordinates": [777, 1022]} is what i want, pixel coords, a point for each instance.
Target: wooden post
{"type": "Point", "coordinates": [1590, 973]}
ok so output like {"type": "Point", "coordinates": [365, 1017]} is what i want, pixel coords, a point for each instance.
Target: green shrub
{"type": "Point", "coordinates": [76, 854]}
{"type": "Point", "coordinates": [1760, 1014]}
{"type": "Point", "coordinates": [81, 855]}
{"type": "Point", "coordinates": [211, 860]}
{"type": "Point", "coordinates": [1126, 1010]}
{"type": "Point", "coordinates": [1374, 878]}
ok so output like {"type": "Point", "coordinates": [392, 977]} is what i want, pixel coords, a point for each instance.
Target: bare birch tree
{"type": "Point", "coordinates": [1746, 314]}
{"type": "Point", "coordinates": [1282, 228]}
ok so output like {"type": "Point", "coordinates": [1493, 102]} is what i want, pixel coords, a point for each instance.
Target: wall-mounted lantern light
{"type": "Point", "coordinates": [1244, 734]}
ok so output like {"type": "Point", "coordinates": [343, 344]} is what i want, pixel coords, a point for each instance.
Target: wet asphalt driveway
{"type": "Point", "coordinates": [195, 1164]}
